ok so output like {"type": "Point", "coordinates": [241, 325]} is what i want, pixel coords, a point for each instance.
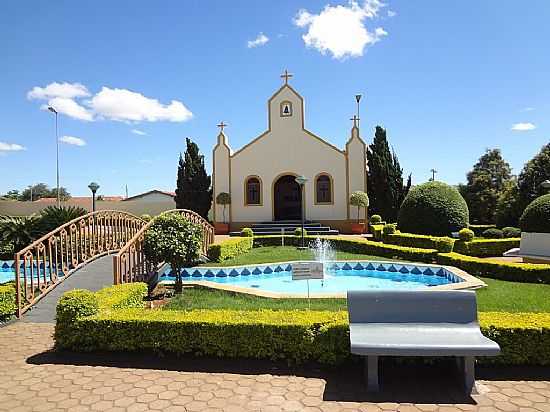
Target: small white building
{"type": "Point", "coordinates": [260, 176]}
{"type": "Point", "coordinates": [153, 196]}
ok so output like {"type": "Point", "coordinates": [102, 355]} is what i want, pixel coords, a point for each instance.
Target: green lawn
{"type": "Point", "coordinates": [269, 254]}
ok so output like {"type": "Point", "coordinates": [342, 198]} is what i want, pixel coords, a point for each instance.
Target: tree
{"type": "Point", "coordinates": [508, 209]}
{"type": "Point", "coordinates": [360, 200]}
{"type": "Point", "coordinates": [485, 182]}
{"type": "Point", "coordinates": [535, 171]}
{"type": "Point", "coordinates": [12, 195]}
{"type": "Point", "coordinates": [223, 199]}
{"type": "Point", "coordinates": [193, 190]}
{"type": "Point", "coordinates": [385, 178]}
{"type": "Point", "coordinates": [41, 190]}
{"type": "Point", "coordinates": [17, 231]}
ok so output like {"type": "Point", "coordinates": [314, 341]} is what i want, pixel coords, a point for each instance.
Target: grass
{"type": "Point", "coordinates": [269, 254]}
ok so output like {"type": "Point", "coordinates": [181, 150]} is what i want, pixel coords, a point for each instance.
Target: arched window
{"type": "Point", "coordinates": [323, 189]}
{"type": "Point", "coordinates": [286, 108]}
{"type": "Point", "coordinates": [253, 191]}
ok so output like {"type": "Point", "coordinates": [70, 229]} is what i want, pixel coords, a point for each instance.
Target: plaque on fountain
{"type": "Point", "coordinates": [307, 270]}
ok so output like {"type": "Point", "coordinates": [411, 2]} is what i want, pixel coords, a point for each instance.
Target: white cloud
{"type": "Point", "coordinates": [11, 147]}
{"type": "Point", "coordinates": [75, 141]}
{"type": "Point", "coordinates": [52, 90]}
{"type": "Point", "coordinates": [260, 40]}
{"type": "Point", "coordinates": [69, 108]}
{"type": "Point", "coordinates": [125, 105]}
{"type": "Point", "coordinates": [340, 30]}
{"type": "Point", "coordinates": [527, 109]}
{"type": "Point", "coordinates": [138, 132]}
{"type": "Point", "coordinates": [111, 104]}
{"type": "Point", "coordinates": [523, 127]}
{"type": "Point", "coordinates": [392, 13]}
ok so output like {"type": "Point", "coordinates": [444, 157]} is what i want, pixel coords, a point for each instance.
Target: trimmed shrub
{"type": "Point", "coordinates": [375, 219]}
{"type": "Point", "coordinates": [486, 247]}
{"type": "Point", "coordinates": [247, 232]}
{"type": "Point", "coordinates": [511, 232]}
{"type": "Point", "coordinates": [444, 244]}
{"type": "Point", "coordinates": [514, 272]}
{"type": "Point", "coordinates": [298, 232]}
{"type": "Point", "coordinates": [466, 234]}
{"type": "Point", "coordinates": [72, 306]}
{"type": "Point", "coordinates": [7, 301]}
{"type": "Point", "coordinates": [536, 216]}
{"type": "Point", "coordinates": [479, 229]}
{"type": "Point", "coordinates": [389, 229]}
{"type": "Point", "coordinates": [128, 295]}
{"type": "Point", "coordinates": [377, 231]}
{"type": "Point", "coordinates": [229, 248]}
{"type": "Point", "coordinates": [418, 241]}
{"type": "Point", "coordinates": [433, 208]}
{"type": "Point", "coordinates": [493, 233]}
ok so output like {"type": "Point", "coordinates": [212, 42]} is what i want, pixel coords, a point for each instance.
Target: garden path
{"type": "Point", "coordinates": [93, 276]}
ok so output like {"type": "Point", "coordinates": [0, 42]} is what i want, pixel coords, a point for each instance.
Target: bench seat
{"type": "Point", "coordinates": [405, 339]}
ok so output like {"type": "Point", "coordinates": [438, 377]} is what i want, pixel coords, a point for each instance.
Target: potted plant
{"type": "Point", "coordinates": [360, 200]}
{"type": "Point", "coordinates": [223, 199]}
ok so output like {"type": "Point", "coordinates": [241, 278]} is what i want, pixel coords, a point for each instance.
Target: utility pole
{"type": "Point", "coordinates": [51, 109]}
{"type": "Point", "coordinates": [433, 174]}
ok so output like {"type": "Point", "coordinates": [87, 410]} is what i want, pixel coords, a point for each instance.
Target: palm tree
{"type": "Point", "coordinates": [17, 231]}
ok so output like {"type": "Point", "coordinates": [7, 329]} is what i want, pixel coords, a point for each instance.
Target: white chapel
{"type": "Point", "coordinates": [260, 176]}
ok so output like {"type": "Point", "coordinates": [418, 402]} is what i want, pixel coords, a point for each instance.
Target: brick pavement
{"type": "Point", "coordinates": [33, 378]}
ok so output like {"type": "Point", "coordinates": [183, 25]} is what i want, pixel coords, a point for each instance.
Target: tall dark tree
{"type": "Point", "coordinates": [193, 190]}
{"type": "Point", "coordinates": [384, 178]}
{"type": "Point", "coordinates": [485, 183]}
{"type": "Point", "coordinates": [535, 171]}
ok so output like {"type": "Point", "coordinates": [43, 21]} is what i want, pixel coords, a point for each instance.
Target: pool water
{"type": "Point", "coordinates": [339, 277]}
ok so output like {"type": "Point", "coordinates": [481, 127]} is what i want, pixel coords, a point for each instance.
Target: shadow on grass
{"type": "Point", "coordinates": [401, 382]}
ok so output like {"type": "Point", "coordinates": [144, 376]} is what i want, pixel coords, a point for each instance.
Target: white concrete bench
{"type": "Point", "coordinates": [417, 323]}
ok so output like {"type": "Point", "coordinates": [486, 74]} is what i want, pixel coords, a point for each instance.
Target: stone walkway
{"type": "Point", "coordinates": [34, 378]}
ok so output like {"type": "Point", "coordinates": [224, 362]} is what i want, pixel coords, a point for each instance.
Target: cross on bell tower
{"type": "Point", "coordinates": [286, 75]}
{"type": "Point", "coordinates": [221, 126]}
{"type": "Point", "coordinates": [355, 119]}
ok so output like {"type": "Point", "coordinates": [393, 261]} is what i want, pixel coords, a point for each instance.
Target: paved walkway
{"type": "Point", "coordinates": [34, 378]}
{"type": "Point", "coordinates": [93, 276]}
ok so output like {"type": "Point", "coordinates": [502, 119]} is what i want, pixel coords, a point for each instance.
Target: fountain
{"type": "Point", "coordinates": [323, 252]}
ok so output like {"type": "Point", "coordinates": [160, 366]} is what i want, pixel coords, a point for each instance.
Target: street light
{"type": "Point", "coordinates": [546, 185]}
{"type": "Point", "coordinates": [301, 180]}
{"type": "Point", "coordinates": [51, 109]}
{"type": "Point", "coordinates": [93, 187]}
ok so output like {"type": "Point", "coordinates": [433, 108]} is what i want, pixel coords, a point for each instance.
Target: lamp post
{"type": "Point", "coordinates": [546, 185]}
{"type": "Point", "coordinates": [51, 109]}
{"type": "Point", "coordinates": [301, 180]}
{"type": "Point", "coordinates": [93, 187]}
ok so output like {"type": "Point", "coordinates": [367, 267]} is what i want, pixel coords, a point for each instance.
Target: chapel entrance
{"type": "Point", "coordinates": [287, 199]}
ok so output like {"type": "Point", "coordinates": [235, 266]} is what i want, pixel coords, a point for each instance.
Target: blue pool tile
{"type": "Point", "coordinates": [392, 269]}
{"type": "Point", "coordinates": [233, 273]}
{"type": "Point", "coordinates": [381, 268]}
{"type": "Point", "coordinates": [288, 268]}
{"type": "Point", "coordinates": [428, 272]}
{"type": "Point", "coordinates": [335, 266]}
{"type": "Point", "coordinates": [245, 272]}
{"type": "Point", "coordinates": [184, 273]}
{"type": "Point", "coordinates": [197, 274]}
{"type": "Point", "coordinates": [416, 271]}
{"type": "Point", "coordinates": [5, 266]}
{"type": "Point", "coordinates": [279, 269]}
{"type": "Point", "coordinates": [257, 271]}
{"type": "Point", "coordinates": [209, 274]}
{"type": "Point", "coordinates": [346, 266]}
{"type": "Point", "coordinates": [358, 266]}
{"type": "Point", "coordinates": [268, 270]}
{"type": "Point", "coordinates": [221, 274]}
{"type": "Point", "coordinates": [370, 266]}
{"type": "Point", "coordinates": [404, 269]}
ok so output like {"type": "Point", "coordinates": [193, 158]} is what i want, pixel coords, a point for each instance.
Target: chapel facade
{"type": "Point", "coordinates": [260, 176]}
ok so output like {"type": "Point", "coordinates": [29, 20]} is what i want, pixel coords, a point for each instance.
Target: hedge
{"type": "Point", "coordinates": [536, 216]}
{"type": "Point", "coordinates": [441, 243]}
{"type": "Point", "coordinates": [296, 336]}
{"type": "Point", "coordinates": [479, 229]}
{"type": "Point", "coordinates": [377, 230]}
{"type": "Point", "coordinates": [365, 247]}
{"type": "Point", "coordinates": [7, 301]}
{"type": "Point", "coordinates": [514, 272]}
{"type": "Point", "coordinates": [229, 249]}
{"type": "Point", "coordinates": [485, 247]}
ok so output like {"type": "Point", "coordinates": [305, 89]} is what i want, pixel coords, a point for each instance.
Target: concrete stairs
{"type": "Point", "coordinates": [289, 226]}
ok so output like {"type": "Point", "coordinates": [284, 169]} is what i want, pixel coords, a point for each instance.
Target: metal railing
{"type": "Point", "coordinates": [49, 260]}
{"type": "Point", "coordinates": [130, 263]}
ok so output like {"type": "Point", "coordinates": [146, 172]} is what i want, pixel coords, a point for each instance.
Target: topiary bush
{"type": "Point", "coordinates": [466, 234]}
{"type": "Point", "coordinates": [174, 239]}
{"type": "Point", "coordinates": [536, 216]}
{"type": "Point", "coordinates": [247, 232]}
{"type": "Point", "coordinates": [511, 231]}
{"type": "Point", "coordinates": [389, 229]}
{"type": "Point", "coordinates": [433, 208]}
{"type": "Point", "coordinates": [493, 233]}
{"type": "Point", "coordinates": [298, 232]}
{"type": "Point", "coordinates": [375, 219]}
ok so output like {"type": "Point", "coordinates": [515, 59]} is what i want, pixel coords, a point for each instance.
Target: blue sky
{"type": "Point", "coordinates": [447, 80]}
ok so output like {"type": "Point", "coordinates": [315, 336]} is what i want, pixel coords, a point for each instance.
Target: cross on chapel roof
{"type": "Point", "coordinates": [286, 75]}
{"type": "Point", "coordinates": [221, 125]}
{"type": "Point", "coordinates": [355, 119]}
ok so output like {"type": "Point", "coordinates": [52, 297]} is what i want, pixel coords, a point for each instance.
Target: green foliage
{"type": "Point", "coordinates": [389, 229]}
{"type": "Point", "coordinates": [536, 217]}
{"type": "Point", "coordinates": [433, 208]}
{"type": "Point", "coordinates": [375, 219]}
{"type": "Point", "coordinates": [479, 229]}
{"type": "Point", "coordinates": [535, 171]}
{"type": "Point", "coordinates": [419, 241]}
{"type": "Point", "coordinates": [6, 249]}
{"type": "Point", "coordinates": [247, 232]}
{"type": "Point", "coordinates": [52, 217]}
{"type": "Point", "coordinates": [174, 239]}
{"type": "Point", "coordinates": [193, 190]}
{"type": "Point", "coordinates": [377, 231]}
{"type": "Point", "coordinates": [127, 295]}
{"type": "Point", "coordinates": [229, 249]}
{"type": "Point", "coordinates": [17, 231]}
{"type": "Point", "coordinates": [466, 234]}
{"type": "Point", "coordinates": [509, 206]}
{"type": "Point", "coordinates": [360, 200]}
{"type": "Point", "coordinates": [7, 301]}
{"type": "Point", "coordinates": [298, 232]}
{"type": "Point", "coordinates": [486, 247]}
{"type": "Point", "coordinates": [223, 199]}
{"type": "Point", "coordinates": [41, 190]}
{"type": "Point", "coordinates": [385, 177]}
{"type": "Point", "coordinates": [496, 269]}
{"type": "Point", "coordinates": [511, 232]}
{"type": "Point", "coordinates": [485, 183]}
{"type": "Point", "coordinates": [444, 244]}
{"type": "Point", "coordinates": [493, 233]}
{"type": "Point", "coordinates": [146, 217]}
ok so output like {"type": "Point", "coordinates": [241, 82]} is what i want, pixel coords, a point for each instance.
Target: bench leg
{"type": "Point", "coordinates": [371, 373]}
{"type": "Point", "coordinates": [468, 368]}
